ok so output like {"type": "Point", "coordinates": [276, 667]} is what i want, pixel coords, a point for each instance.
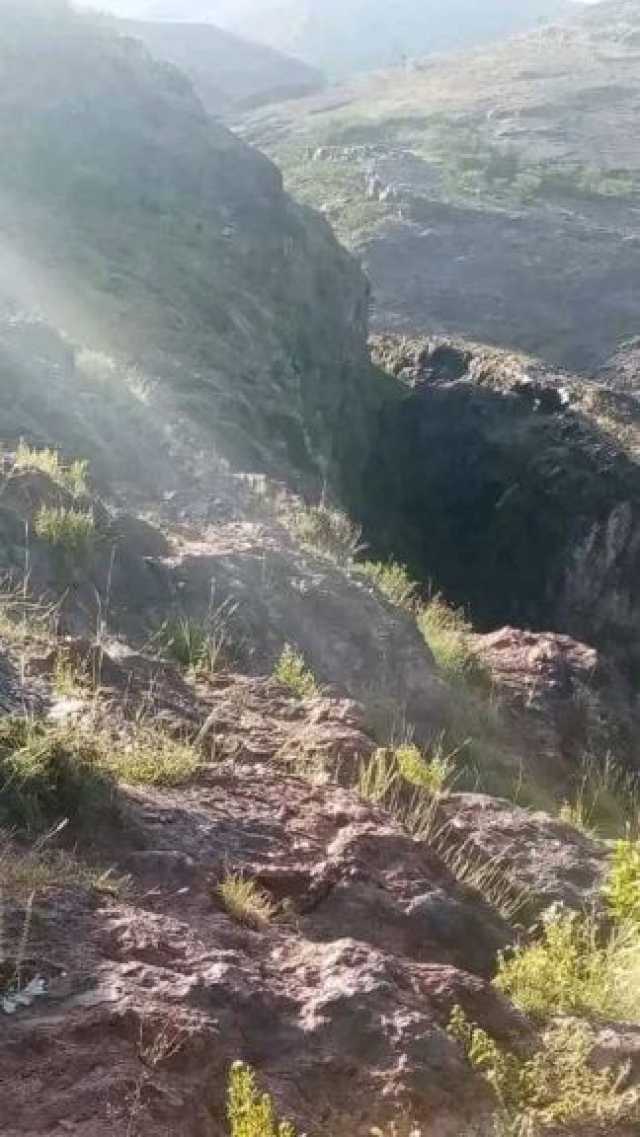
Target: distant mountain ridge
{"type": "Point", "coordinates": [228, 72]}
{"type": "Point", "coordinates": [341, 36]}
{"type": "Point", "coordinates": [492, 195]}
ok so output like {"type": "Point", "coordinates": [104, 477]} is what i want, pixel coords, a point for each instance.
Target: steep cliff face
{"type": "Point", "coordinates": [514, 488]}
{"type": "Point", "coordinates": [137, 224]}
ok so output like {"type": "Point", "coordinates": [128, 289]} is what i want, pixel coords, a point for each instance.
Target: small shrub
{"type": "Point", "coordinates": [72, 478]}
{"type": "Point", "coordinates": [246, 902]}
{"type": "Point", "coordinates": [393, 581]}
{"type": "Point", "coordinates": [250, 1113]}
{"type": "Point", "coordinates": [622, 888]}
{"type": "Point", "coordinates": [70, 529]}
{"type": "Point", "coordinates": [503, 1071]}
{"type": "Point", "coordinates": [556, 1088]}
{"type": "Point", "coordinates": [327, 531]}
{"type": "Point", "coordinates": [293, 673]}
{"type": "Point", "coordinates": [573, 968]}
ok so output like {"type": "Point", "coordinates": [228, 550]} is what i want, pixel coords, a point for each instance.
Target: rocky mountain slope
{"type": "Point", "coordinates": [493, 196]}
{"type": "Point", "coordinates": [141, 794]}
{"type": "Point", "coordinates": [227, 72]}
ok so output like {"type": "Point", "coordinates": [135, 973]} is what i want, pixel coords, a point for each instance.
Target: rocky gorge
{"type": "Point", "coordinates": [318, 661]}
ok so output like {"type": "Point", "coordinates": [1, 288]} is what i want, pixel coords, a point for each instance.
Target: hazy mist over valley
{"type": "Point", "coordinates": [340, 36]}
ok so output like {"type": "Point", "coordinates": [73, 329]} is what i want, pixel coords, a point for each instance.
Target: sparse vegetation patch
{"type": "Point", "coordinates": [151, 757]}
{"type": "Point", "coordinates": [48, 774]}
{"type": "Point", "coordinates": [556, 1088]}
{"type": "Point", "coordinates": [447, 632]}
{"type": "Point", "coordinates": [394, 582]}
{"type": "Point", "coordinates": [622, 888]}
{"type": "Point", "coordinates": [206, 646]}
{"type": "Point", "coordinates": [575, 968]}
{"type": "Point", "coordinates": [327, 531]}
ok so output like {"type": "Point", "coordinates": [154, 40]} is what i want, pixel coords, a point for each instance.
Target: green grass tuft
{"type": "Point", "coordinates": [202, 647]}
{"type": "Point", "coordinates": [69, 529]}
{"type": "Point", "coordinates": [394, 582]}
{"type": "Point", "coordinates": [447, 632]}
{"type": "Point", "coordinates": [72, 478]}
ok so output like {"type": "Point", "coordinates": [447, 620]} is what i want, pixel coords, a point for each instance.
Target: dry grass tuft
{"type": "Point", "coordinates": [246, 902]}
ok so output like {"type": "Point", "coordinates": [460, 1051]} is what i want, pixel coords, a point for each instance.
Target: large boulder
{"type": "Point", "coordinates": [543, 861]}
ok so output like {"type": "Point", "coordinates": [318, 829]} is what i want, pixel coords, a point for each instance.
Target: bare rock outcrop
{"type": "Point", "coordinates": [544, 861]}
{"type": "Point", "coordinates": [341, 1002]}
{"type": "Point", "coordinates": [566, 698]}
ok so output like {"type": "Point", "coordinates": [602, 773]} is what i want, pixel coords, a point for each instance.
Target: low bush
{"type": "Point", "coordinates": [69, 529]}
{"type": "Point", "coordinates": [292, 671]}
{"type": "Point", "coordinates": [576, 969]}
{"type": "Point", "coordinates": [250, 1113]}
